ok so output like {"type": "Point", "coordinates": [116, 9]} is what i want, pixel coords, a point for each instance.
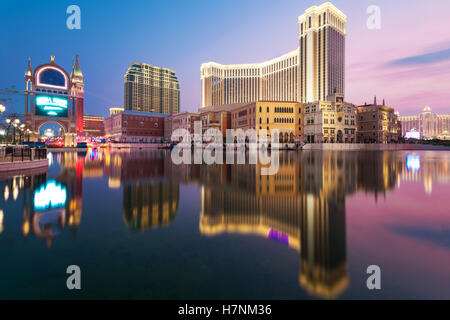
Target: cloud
{"type": "Point", "coordinates": [427, 58]}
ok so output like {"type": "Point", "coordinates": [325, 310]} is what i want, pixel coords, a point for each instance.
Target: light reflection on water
{"type": "Point", "coordinates": [310, 231]}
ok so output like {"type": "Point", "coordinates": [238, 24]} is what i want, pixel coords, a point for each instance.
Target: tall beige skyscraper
{"type": "Point", "coordinates": [151, 89]}
{"type": "Point", "coordinates": [312, 72]}
{"type": "Point", "coordinates": [322, 53]}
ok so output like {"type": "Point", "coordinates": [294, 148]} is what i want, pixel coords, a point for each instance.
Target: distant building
{"type": "Point", "coordinates": [93, 126]}
{"type": "Point", "coordinates": [113, 111]}
{"type": "Point", "coordinates": [377, 124]}
{"type": "Point", "coordinates": [184, 120]}
{"type": "Point", "coordinates": [218, 117]}
{"type": "Point", "coordinates": [151, 89]}
{"type": "Point", "coordinates": [284, 116]}
{"type": "Point", "coordinates": [137, 127]}
{"type": "Point", "coordinates": [168, 127]}
{"type": "Point", "coordinates": [312, 72]}
{"type": "Point", "coordinates": [332, 121]}
{"type": "Point", "coordinates": [426, 125]}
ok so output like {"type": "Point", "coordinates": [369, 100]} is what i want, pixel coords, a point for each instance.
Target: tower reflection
{"type": "Point", "coordinates": [303, 205]}
{"type": "Point", "coordinates": [50, 205]}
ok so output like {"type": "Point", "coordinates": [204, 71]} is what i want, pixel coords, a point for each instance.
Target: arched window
{"type": "Point", "coordinates": [52, 77]}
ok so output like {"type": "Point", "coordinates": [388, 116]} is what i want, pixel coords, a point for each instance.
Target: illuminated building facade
{"type": "Point", "coordinates": [54, 96]}
{"type": "Point", "coordinates": [313, 71]}
{"type": "Point", "coordinates": [134, 126]}
{"type": "Point", "coordinates": [331, 121]}
{"type": "Point", "coordinates": [151, 89]}
{"type": "Point", "coordinates": [377, 124]}
{"type": "Point", "coordinates": [286, 117]}
{"type": "Point", "coordinates": [218, 117]}
{"type": "Point", "coordinates": [428, 125]}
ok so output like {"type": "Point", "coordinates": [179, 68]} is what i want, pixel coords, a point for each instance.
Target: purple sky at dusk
{"type": "Point", "coordinates": [407, 62]}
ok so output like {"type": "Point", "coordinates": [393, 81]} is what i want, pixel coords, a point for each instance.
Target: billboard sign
{"type": "Point", "coordinates": [51, 106]}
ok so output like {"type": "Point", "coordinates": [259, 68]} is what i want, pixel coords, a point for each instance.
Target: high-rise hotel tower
{"type": "Point", "coordinates": [151, 89]}
{"type": "Point", "coordinates": [312, 72]}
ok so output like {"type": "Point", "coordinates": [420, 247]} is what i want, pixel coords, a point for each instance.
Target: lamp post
{"type": "Point", "coordinates": [16, 123]}
{"type": "Point", "coordinates": [9, 123]}
{"type": "Point", "coordinates": [27, 133]}
{"type": "Point", "coordinates": [2, 108]}
{"type": "Point", "coordinates": [21, 133]}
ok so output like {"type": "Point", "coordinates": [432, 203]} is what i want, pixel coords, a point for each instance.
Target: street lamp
{"type": "Point", "coordinates": [8, 121]}
{"type": "Point", "coordinates": [22, 134]}
{"type": "Point", "coordinates": [2, 108]}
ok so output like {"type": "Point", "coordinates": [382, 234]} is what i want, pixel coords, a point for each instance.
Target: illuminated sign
{"type": "Point", "coordinates": [413, 162]}
{"type": "Point", "coordinates": [51, 106]}
{"type": "Point", "coordinates": [412, 134]}
{"type": "Point", "coordinates": [50, 196]}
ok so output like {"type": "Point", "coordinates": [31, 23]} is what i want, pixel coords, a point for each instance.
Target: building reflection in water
{"type": "Point", "coordinates": [426, 167]}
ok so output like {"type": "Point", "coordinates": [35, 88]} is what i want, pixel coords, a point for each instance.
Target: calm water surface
{"type": "Point", "coordinates": [140, 227]}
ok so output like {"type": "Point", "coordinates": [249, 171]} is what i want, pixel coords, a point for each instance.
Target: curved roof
{"type": "Point", "coordinates": [51, 75]}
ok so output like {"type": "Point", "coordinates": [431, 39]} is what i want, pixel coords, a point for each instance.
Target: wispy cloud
{"type": "Point", "coordinates": [422, 59]}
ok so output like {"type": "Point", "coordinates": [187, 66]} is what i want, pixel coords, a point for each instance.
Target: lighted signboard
{"type": "Point", "coordinates": [51, 106]}
{"type": "Point", "coordinates": [50, 196]}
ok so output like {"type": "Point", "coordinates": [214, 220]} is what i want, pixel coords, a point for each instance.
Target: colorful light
{"type": "Point", "coordinates": [52, 195]}
{"type": "Point", "coordinates": [278, 236]}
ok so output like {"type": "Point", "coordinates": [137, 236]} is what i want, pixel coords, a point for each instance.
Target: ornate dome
{"type": "Point", "coordinates": [51, 75]}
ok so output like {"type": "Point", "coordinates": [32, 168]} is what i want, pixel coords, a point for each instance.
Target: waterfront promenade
{"type": "Point", "coordinates": [19, 158]}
